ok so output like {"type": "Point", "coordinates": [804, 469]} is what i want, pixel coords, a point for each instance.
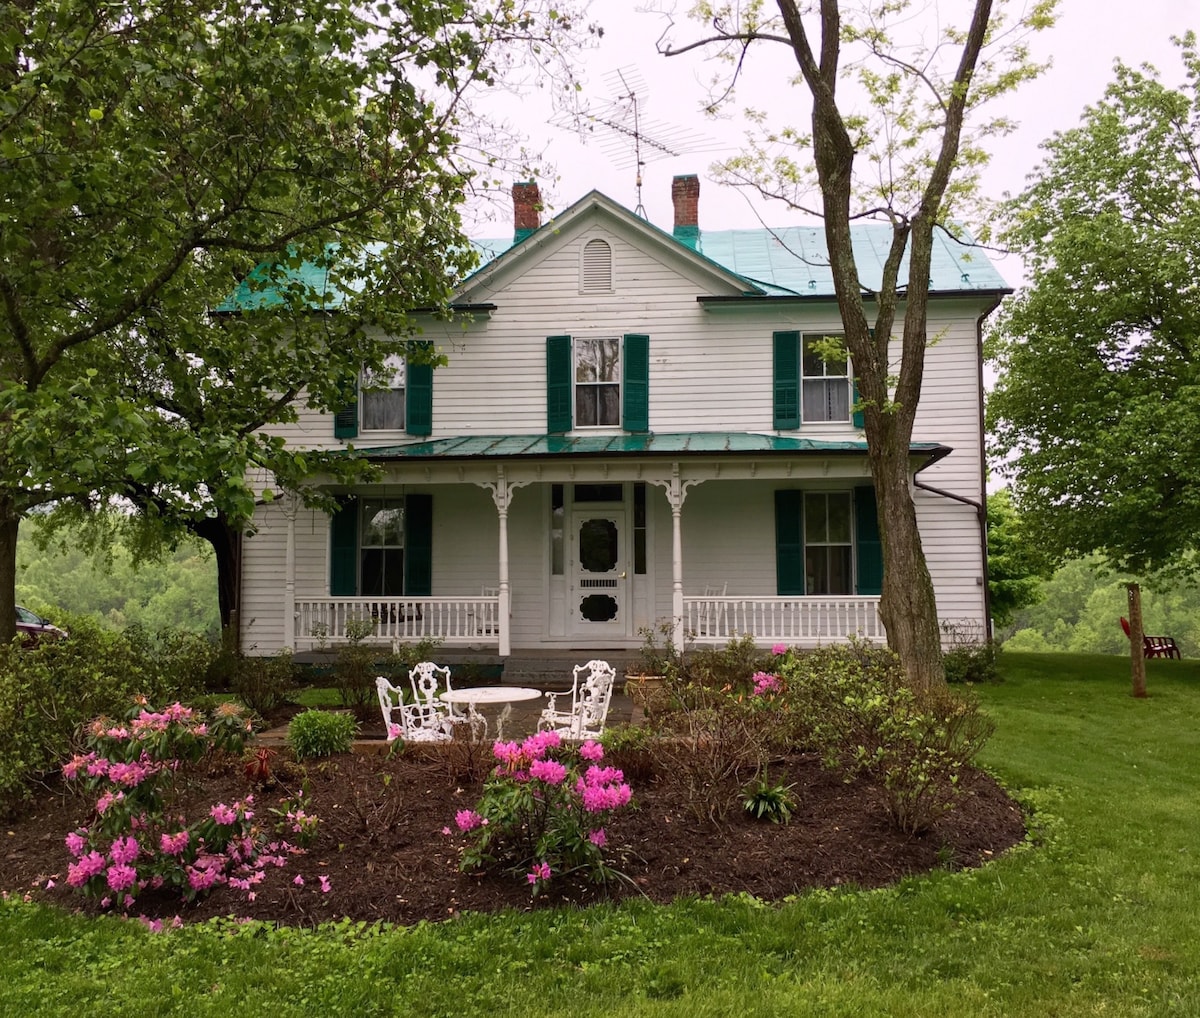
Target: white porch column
{"type": "Point", "coordinates": [502, 496]}
{"type": "Point", "coordinates": [676, 489]}
{"type": "Point", "coordinates": [290, 504]}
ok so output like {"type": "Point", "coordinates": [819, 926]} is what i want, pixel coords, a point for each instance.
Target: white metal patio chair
{"type": "Point", "coordinates": [591, 693]}
{"type": "Point", "coordinates": [426, 677]}
{"type": "Point", "coordinates": [416, 722]}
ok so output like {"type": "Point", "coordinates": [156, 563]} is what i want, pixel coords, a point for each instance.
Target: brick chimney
{"type": "Point", "coordinates": [527, 209]}
{"type": "Point", "coordinates": [685, 194]}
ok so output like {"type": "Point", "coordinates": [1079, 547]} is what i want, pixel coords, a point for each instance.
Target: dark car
{"type": "Point", "coordinates": [32, 628]}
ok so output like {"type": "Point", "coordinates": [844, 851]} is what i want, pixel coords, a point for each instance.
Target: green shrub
{"type": "Point", "coordinates": [48, 692]}
{"type": "Point", "coordinates": [729, 667]}
{"type": "Point", "coordinates": [318, 733]}
{"type": "Point", "coordinates": [978, 662]}
{"type": "Point", "coordinates": [354, 668]}
{"type": "Point", "coordinates": [265, 683]}
{"type": "Point", "coordinates": [862, 717]}
{"type": "Point", "coordinates": [627, 747]}
{"type": "Point", "coordinates": [766, 801]}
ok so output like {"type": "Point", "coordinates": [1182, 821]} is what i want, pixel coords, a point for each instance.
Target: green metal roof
{"type": "Point", "coordinates": [689, 443]}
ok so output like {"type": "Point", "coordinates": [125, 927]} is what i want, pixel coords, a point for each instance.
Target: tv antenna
{"type": "Point", "coordinates": [626, 136]}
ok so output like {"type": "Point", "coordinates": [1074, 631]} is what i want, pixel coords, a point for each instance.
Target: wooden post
{"type": "Point", "coordinates": [1136, 646]}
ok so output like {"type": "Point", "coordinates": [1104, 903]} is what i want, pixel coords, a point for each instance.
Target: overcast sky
{"type": "Point", "coordinates": [1089, 36]}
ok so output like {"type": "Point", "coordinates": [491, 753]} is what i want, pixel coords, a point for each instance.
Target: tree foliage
{"type": "Point", "coordinates": [1097, 408]}
{"type": "Point", "coordinates": [896, 144]}
{"type": "Point", "coordinates": [1015, 565]}
{"type": "Point", "coordinates": [154, 157]}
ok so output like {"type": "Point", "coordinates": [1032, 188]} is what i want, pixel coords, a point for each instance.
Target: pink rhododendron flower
{"type": "Point", "coordinates": [541, 871]}
{"type": "Point", "coordinates": [299, 881]}
{"type": "Point", "coordinates": [765, 683]}
{"type": "Point", "coordinates": [76, 844]}
{"type": "Point", "coordinates": [779, 648]}
{"type": "Point", "coordinates": [121, 877]}
{"type": "Point", "coordinates": [123, 851]}
{"type": "Point", "coordinates": [173, 844]}
{"type": "Point", "coordinates": [468, 820]}
{"type": "Point", "coordinates": [598, 837]}
{"type": "Point", "coordinates": [592, 751]}
{"type": "Point", "coordinates": [549, 771]}
{"type": "Point", "coordinates": [104, 803]}
{"type": "Point", "coordinates": [324, 884]}
{"type": "Point", "coordinates": [222, 814]}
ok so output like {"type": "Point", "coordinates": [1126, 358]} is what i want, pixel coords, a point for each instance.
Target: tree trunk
{"type": "Point", "coordinates": [10, 522]}
{"type": "Point", "coordinates": [226, 541]}
{"type": "Point", "coordinates": [908, 606]}
{"type": "Point", "coordinates": [1137, 655]}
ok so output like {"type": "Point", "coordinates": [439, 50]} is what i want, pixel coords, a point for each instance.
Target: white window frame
{"type": "Point", "coordinates": [395, 370]}
{"type": "Point", "coordinates": [827, 381]}
{"type": "Point", "coordinates": [617, 382]}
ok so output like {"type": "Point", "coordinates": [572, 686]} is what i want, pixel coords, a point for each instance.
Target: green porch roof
{"type": "Point", "coordinates": [688, 443]}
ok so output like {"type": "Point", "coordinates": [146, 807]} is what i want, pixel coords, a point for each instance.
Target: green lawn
{"type": "Point", "coordinates": [1099, 918]}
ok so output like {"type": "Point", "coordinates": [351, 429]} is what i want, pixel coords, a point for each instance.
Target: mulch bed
{"type": "Point", "coordinates": [383, 850]}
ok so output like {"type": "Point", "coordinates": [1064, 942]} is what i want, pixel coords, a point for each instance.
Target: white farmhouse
{"type": "Point", "coordinates": [635, 427]}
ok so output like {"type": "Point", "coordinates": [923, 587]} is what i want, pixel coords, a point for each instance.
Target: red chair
{"type": "Point", "coordinates": [1154, 646]}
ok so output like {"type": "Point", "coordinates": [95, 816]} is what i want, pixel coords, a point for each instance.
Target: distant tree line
{"type": "Point", "coordinates": [178, 591]}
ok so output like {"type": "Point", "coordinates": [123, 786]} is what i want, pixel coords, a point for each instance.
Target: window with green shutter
{"type": "Point", "coordinates": [869, 547]}
{"type": "Point", "coordinates": [789, 542]}
{"type": "Point", "coordinates": [419, 398]}
{"type": "Point", "coordinates": [637, 383]}
{"type": "Point", "coordinates": [558, 384]}
{"type": "Point", "coordinates": [786, 373]}
{"type": "Point", "coordinates": [345, 421]}
{"type": "Point", "coordinates": [382, 547]}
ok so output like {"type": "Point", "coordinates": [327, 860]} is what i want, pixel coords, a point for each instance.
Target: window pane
{"type": "Point", "coordinates": [815, 526]}
{"type": "Point", "coordinates": [816, 579]}
{"type": "Point", "coordinates": [839, 570]}
{"type": "Point", "coordinates": [382, 572]}
{"type": "Point", "coordinates": [587, 355]}
{"type": "Point", "coordinates": [814, 366]}
{"type": "Point", "coordinates": [586, 409]}
{"type": "Point", "coordinates": [839, 518]}
{"type": "Point", "coordinates": [383, 411]}
{"type": "Point", "coordinates": [599, 493]}
{"type": "Point", "coordinates": [383, 524]}
{"type": "Point", "coordinates": [610, 405]}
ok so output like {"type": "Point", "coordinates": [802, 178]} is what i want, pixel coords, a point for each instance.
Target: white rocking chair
{"type": "Point", "coordinates": [590, 697]}
{"type": "Point", "coordinates": [711, 619]}
{"type": "Point", "coordinates": [417, 723]}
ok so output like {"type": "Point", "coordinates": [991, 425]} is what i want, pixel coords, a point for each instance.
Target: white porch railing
{"type": "Point", "coordinates": [451, 620]}
{"type": "Point", "coordinates": [803, 621]}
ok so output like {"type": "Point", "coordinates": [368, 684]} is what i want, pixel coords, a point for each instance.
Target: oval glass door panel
{"type": "Point", "coordinates": [598, 608]}
{"type": "Point", "coordinates": [597, 546]}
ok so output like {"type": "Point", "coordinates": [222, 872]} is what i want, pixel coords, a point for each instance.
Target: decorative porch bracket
{"type": "Point", "coordinates": [676, 489]}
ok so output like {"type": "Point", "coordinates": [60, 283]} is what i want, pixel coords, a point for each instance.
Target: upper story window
{"type": "Point", "coordinates": [811, 380]}
{"type": "Point", "coordinates": [598, 382]}
{"type": "Point", "coordinates": [825, 389]}
{"type": "Point", "coordinates": [382, 402]}
{"type": "Point", "coordinates": [596, 271]}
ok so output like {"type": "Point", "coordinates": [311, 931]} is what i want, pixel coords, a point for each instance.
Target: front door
{"type": "Point", "coordinates": [597, 599]}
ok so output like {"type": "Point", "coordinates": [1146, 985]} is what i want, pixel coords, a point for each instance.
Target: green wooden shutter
{"type": "Point", "coordinates": [343, 549]}
{"type": "Point", "coordinates": [856, 415]}
{"type": "Point", "coordinates": [418, 545]}
{"type": "Point", "coordinates": [558, 384]}
{"type": "Point", "coordinates": [787, 380]}
{"type": "Point", "coordinates": [789, 541]}
{"type": "Point", "coordinates": [418, 395]}
{"type": "Point", "coordinates": [636, 397]}
{"type": "Point", "coordinates": [345, 421]}
{"type": "Point", "coordinates": [869, 548]}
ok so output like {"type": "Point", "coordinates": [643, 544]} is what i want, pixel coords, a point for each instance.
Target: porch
{"type": "Point", "coordinates": [477, 622]}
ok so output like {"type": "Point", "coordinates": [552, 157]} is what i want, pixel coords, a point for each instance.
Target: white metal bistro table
{"type": "Point", "coordinates": [476, 696]}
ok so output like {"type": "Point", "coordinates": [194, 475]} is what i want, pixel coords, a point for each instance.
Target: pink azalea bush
{"type": "Point", "coordinates": [543, 811]}
{"type": "Point", "coordinates": [138, 838]}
